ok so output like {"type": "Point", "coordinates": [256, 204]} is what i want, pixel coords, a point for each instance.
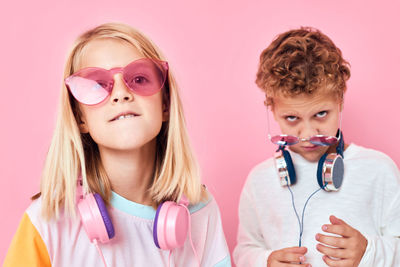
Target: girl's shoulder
{"type": "Point", "coordinates": [207, 206]}
{"type": "Point", "coordinates": [38, 220]}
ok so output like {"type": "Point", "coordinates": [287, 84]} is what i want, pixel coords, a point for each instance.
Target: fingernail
{"type": "Point", "coordinates": [308, 265]}
{"type": "Point", "coordinates": [324, 227]}
{"type": "Point", "coordinates": [317, 236]}
{"type": "Point", "coordinates": [302, 259]}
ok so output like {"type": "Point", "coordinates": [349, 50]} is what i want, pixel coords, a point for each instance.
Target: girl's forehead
{"type": "Point", "coordinates": [108, 53]}
{"type": "Point", "coordinates": [304, 104]}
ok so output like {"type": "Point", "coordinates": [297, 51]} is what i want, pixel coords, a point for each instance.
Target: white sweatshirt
{"type": "Point", "coordinates": [369, 201]}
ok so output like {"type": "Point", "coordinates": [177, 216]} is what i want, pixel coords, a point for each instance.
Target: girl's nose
{"type": "Point", "coordinates": [120, 92]}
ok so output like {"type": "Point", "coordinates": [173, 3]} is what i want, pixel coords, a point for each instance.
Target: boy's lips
{"type": "Point", "coordinates": [309, 148]}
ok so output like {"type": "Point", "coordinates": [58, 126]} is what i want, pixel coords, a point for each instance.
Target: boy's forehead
{"type": "Point", "coordinates": [304, 102]}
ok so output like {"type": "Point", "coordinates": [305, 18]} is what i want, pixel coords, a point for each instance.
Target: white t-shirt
{"type": "Point", "coordinates": [64, 242]}
{"type": "Point", "coordinates": [368, 200]}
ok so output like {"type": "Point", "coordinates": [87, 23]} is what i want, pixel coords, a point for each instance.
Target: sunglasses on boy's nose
{"type": "Point", "coordinates": [92, 85]}
{"type": "Point", "coordinates": [319, 139]}
{"type": "Point", "coordinates": [288, 140]}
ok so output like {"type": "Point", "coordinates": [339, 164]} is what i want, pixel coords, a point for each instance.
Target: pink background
{"type": "Point", "coordinates": [213, 46]}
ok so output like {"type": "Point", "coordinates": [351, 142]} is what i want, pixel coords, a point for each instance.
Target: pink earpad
{"type": "Point", "coordinates": [92, 220]}
{"type": "Point", "coordinates": [172, 225]}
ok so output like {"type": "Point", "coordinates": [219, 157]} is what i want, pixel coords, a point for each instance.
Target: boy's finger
{"type": "Point", "coordinates": [285, 257]}
{"type": "Point", "coordinates": [289, 255]}
{"type": "Point", "coordinates": [297, 265]}
{"type": "Point", "coordinates": [336, 221]}
{"type": "Point", "coordinates": [333, 262]}
{"type": "Point", "coordinates": [332, 241]}
{"type": "Point", "coordinates": [332, 252]}
{"type": "Point", "coordinates": [343, 230]}
{"type": "Point", "coordinates": [300, 250]}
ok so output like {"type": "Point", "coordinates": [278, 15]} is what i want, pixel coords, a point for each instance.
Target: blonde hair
{"type": "Point", "coordinates": [71, 152]}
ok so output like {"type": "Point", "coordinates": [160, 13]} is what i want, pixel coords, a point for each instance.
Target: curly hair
{"type": "Point", "coordinates": [302, 61]}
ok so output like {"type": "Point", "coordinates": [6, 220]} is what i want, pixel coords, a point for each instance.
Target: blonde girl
{"type": "Point", "coordinates": [119, 172]}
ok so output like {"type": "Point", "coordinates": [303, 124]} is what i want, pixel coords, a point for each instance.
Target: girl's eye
{"type": "Point", "coordinates": [321, 114]}
{"type": "Point", "coordinates": [139, 80]}
{"type": "Point", "coordinates": [291, 118]}
{"type": "Point", "coordinates": [103, 84]}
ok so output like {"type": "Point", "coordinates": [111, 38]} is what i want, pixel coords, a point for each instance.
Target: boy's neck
{"type": "Point", "coordinates": [131, 172]}
{"type": "Point", "coordinates": [332, 149]}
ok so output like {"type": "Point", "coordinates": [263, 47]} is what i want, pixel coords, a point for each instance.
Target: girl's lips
{"type": "Point", "coordinates": [122, 114]}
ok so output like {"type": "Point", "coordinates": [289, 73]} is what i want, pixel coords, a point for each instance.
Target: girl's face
{"type": "Point", "coordinates": [144, 113]}
{"type": "Point", "coordinates": [305, 116]}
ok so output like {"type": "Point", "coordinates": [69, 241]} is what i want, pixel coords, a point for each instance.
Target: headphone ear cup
{"type": "Point", "coordinates": [290, 166]}
{"type": "Point", "coordinates": [156, 224]}
{"type": "Point", "coordinates": [320, 169]}
{"type": "Point", "coordinates": [171, 225]}
{"type": "Point", "coordinates": [105, 216]}
{"type": "Point", "coordinates": [331, 172]}
{"type": "Point", "coordinates": [95, 218]}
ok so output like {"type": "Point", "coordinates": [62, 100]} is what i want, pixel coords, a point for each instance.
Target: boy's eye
{"type": "Point", "coordinates": [291, 118]}
{"type": "Point", "coordinates": [321, 114]}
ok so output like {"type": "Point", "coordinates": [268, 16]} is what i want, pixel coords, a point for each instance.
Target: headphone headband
{"type": "Point", "coordinates": [340, 146]}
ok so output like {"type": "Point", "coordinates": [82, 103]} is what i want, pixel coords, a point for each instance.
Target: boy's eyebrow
{"type": "Point", "coordinates": [296, 113]}
{"type": "Point", "coordinates": [290, 113]}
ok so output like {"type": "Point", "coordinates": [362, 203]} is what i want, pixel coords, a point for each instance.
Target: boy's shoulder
{"type": "Point", "coordinates": [368, 157]}
{"type": "Point", "coordinates": [374, 167]}
{"type": "Point", "coordinates": [262, 167]}
{"type": "Point", "coordinates": [262, 171]}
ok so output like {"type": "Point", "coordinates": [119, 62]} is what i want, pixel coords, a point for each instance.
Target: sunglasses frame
{"type": "Point", "coordinates": [298, 139]}
{"type": "Point", "coordinates": [113, 71]}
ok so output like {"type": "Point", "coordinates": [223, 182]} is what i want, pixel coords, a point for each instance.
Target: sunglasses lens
{"type": "Point", "coordinates": [323, 140]}
{"type": "Point", "coordinates": [145, 76]}
{"type": "Point", "coordinates": [284, 140]}
{"type": "Point", "coordinates": [89, 86]}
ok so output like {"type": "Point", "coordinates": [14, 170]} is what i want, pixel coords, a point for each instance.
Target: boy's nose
{"type": "Point", "coordinates": [307, 131]}
{"type": "Point", "coordinates": [120, 92]}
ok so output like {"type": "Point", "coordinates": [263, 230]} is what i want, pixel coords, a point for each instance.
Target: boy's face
{"type": "Point", "coordinates": [305, 116]}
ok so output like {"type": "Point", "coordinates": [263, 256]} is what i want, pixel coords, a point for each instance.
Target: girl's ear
{"type": "Point", "coordinates": [165, 104]}
{"type": "Point", "coordinates": [79, 117]}
{"type": "Point", "coordinates": [83, 128]}
{"type": "Point", "coordinates": [165, 115]}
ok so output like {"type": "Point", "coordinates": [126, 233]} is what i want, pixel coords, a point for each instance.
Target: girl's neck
{"type": "Point", "coordinates": [131, 172]}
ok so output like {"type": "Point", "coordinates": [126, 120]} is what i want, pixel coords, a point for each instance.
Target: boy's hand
{"type": "Point", "coordinates": [290, 257]}
{"type": "Point", "coordinates": [348, 248]}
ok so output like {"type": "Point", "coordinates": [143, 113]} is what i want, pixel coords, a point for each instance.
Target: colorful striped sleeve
{"type": "Point", "coordinates": [27, 247]}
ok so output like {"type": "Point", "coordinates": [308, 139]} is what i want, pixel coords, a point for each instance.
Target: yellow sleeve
{"type": "Point", "coordinates": [27, 247]}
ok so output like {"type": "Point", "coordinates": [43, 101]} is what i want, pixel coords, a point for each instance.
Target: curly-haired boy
{"type": "Point", "coordinates": [319, 200]}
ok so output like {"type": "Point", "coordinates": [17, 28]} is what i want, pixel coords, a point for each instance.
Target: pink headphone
{"type": "Point", "coordinates": [170, 229]}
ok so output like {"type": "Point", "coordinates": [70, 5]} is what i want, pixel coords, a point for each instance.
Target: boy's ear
{"type": "Point", "coordinates": [271, 108]}
{"type": "Point", "coordinates": [274, 114]}
{"type": "Point", "coordinates": [341, 105]}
